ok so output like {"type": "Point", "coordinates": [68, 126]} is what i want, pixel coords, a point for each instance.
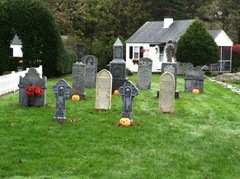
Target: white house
{"type": "Point", "coordinates": [150, 41]}
{"type": "Point", "coordinates": [16, 46]}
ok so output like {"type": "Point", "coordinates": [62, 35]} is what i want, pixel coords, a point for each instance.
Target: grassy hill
{"type": "Point", "coordinates": [200, 140]}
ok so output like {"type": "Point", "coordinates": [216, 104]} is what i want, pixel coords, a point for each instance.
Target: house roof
{"type": "Point", "coordinates": [16, 41]}
{"type": "Point", "coordinates": [153, 32]}
{"type": "Point", "coordinates": [214, 33]}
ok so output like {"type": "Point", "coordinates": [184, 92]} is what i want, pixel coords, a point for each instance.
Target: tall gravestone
{"type": "Point", "coordinates": [171, 68]}
{"type": "Point", "coordinates": [144, 77]}
{"type": "Point", "coordinates": [103, 90]}
{"type": "Point", "coordinates": [128, 91]}
{"type": "Point", "coordinates": [78, 74]}
{"type": "Point", "coordinates": [118, 66]}
{"type": "Point", "coordinates": [91, 63]}
{"type": "Point", "coordinates": [194, 79]}
{"type": "Point", "coordinates": [167, 93]}
{"type": "Point", "coordinates": [61, 90]}
{"type": "Point", "coordinates": [32, 89]}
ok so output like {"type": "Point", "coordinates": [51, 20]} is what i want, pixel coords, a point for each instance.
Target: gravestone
{"type": "Point", "coordinates": [32, 89]}
{"type": "Point", "coordinates": [91, 63]}
{"type": "Point", "coordinates": [194, 79]}
{"type": "Point", "coordinates": [171, 68]}
{"type": "Point", "coordinates": [144, 77]}
{"type": "Point", "coordinates": [167, 93]}
{"type": "Point", "coordinates": [128, 91]}
{"type": "Point", "coordinates": [78, 74]}
{"type": "Point", "coordinates": [118, 66]}
{"type": "Point", "coordinates": [61, 90]}
{"type": "Point", "coordinates": [103, 90]}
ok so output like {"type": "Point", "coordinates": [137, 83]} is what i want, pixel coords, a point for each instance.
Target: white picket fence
{"type": "Point", "coordinates": [9, 83]}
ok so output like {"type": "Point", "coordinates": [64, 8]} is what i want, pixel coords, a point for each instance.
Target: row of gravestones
{"type": "Point", "coordinates": [32, 89]}
{"type": "Point", "coordinates": [32, 92]}
{"type": "Point", "coordinates": [194, 76]}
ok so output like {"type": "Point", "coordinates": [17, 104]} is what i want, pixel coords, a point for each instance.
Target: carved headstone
{"type": "Point", "coordinates": [32, 89]}
{"type": "Point", "coordinates": [78, 79]}
{"type": "Point", "coordinates": [61, 90]}
{"type": "Point", "coordinates": [171, 68]}
{"type": "Point", "coordinates": [144, 77]}
{"type": "Point", "coordinates": [128, 91]}
{"type": "Point", "coordinates": [103, 90]}
{"type": "Point", "coordinates": [194, 79]}
{"type": "Point", "coordinates": [167, 90]}
{"type": "Point", "coordinates": [118, 66]}
{"type": "Point", "coordinates": [91, 63]}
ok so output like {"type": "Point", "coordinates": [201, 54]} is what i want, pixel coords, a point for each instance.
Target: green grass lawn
{"type": "Point", "coordinates": [200, 140]}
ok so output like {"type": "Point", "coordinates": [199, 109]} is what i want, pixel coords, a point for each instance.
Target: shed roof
{"type": "Point", "coordinates": [16, 41]}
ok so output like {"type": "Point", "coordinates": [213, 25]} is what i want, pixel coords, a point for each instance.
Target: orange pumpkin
{"type": "Point", "coordinates": [75, 97]}
{"type": "Point", "coordinates": [196, 91]}
{"type": "Point", "coordinates": [125, 122]}
{"type": "Point", "coordinates": [116, 92]}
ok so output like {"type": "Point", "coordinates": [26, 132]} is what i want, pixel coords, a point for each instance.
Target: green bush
{"type": "Point", "coordinates": [197, 46]}
{"type": "Point", "coordinates": [36, 27]}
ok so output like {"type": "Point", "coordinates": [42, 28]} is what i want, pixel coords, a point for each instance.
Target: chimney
{"type": "Point", "coordinates": [167, 22]}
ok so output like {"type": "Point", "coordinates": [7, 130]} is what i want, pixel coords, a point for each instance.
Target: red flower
{"type": "Point", "coordinates": [33, 90]}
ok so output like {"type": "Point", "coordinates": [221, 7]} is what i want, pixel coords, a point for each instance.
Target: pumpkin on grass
{"type": "Point", "coordinates": [116, 92]}
{"type": "Point", "coordinates": [195, 91]}
{"type": "Point", "coordinates": [75, 97]}
{"type": "Point", "coordinates": [125, 122]}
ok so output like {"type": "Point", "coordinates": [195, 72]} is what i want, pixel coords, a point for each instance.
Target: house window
{"type": "Point", "coordinates": [141, 52]}
{"type": "Point", "coordinates": [136, 52]}
{"type": "Point", "coordinates": [130, 52]}
{"type": "Point", "coordinates": [161, 54]}
{"type": "Point", "coordinates": [226, 53]}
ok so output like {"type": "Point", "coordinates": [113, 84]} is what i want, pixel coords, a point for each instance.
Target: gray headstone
{"type": "Point", "coordinates": [167, 93]}
{"type": "Point", "coordinates": [61, 90]}
{"type": "Point", "coordinates": [78, 79]}
{"type": "Point", "coordinates": [128, 91]}
{"type": "Point", "coordinates": [194, 79]}
{"type": "Point", "coordinates": [118, 66]}
{"type": "Point", "coordinates": [144, 77]}
{"type": "Point", "coordinates": [171, 68]}
{"type": "Point", "coordinates": [32, 78]}
{"type": "Point", "coordinates": [103, 90]}
{"type": "Point", "coordinates": [91, 63]}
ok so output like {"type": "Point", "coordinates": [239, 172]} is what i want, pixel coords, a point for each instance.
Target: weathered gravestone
{"type": "Point", "coordinates": [128, 91]}
{"type": "Point", "coordinates": [194, 79]}
{"type": "Point", "coordinates": [167, 92]}
{"type": "Point", "coordinates": [103, 90]}
{"type": "Point", "coordinates": [32, 89]}
{"type": "Point", "coordinates": [78, 74]}
{"type": "Point", "coordinates": [171, 68]}
{"type": "Point", "coordinates": [118, 66]}
{"type": "Point", "coordinates": [91, 63]}
{"type": "Point", "coordinates": [144, 77]}
{"type": "Point", "coordinates": [61, 90]}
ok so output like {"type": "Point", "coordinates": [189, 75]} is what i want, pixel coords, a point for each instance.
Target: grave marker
{"type": "Point", "coordinates": [103, 90]}
{"type": "Point", "coordinates": [167, 93]}
{"type": "Point", "coordinates": [118, 66]}
{"type": "Point", "coordinates": [194, 79]}
{"type": "Point", "coordinates": [128, 91]}
{"type": "Point", "coordinates": [61, 90]}
{"type": "Point", "coordinates": [78, 74]}
{"type": "Point", "coordinates": [91, 63]}
{"type": "Point", "coordinates": [32, 89]}
{"type": "Point", "coordinates": [144, 77]}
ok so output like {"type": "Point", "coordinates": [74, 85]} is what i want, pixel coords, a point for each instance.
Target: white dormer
{"type": "Point", "coordinates": [167, 22]}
